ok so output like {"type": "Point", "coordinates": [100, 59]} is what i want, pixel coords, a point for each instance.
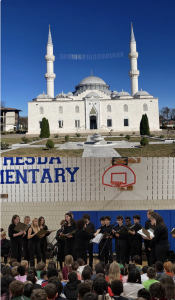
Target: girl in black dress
{"type": "Point", "coordinates": [43, 240]}
{"type": "Point", "coordinates": [15, 239]}
{"type": "Point", "coordinates": [34, 244]}
{"type": "Point", "coordinates": [82, 238]}
{"type": "Point", "coordinates": [25, 240]}
{"type": "Point", "coordinates": [70, 239]}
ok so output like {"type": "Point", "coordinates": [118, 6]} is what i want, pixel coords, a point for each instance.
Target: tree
{"type": "Point", "coordinates": [50, 144]}
{"type": "Point", "coordinates": [23, 121]}
{"type": "Point", "coordinates": [144, 125]}
{"type": "Point", "coordinates": [127, 137]}
{"type": "Point", "coordinates": [144, 141]}
{"type": "Point", "coordinates": [165, 111]}
{"type": "Point", "coordinates": [45, 131]}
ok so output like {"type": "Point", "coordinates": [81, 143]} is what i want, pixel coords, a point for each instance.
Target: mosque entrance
{"type": "Point", "coordinates": [93, 122]}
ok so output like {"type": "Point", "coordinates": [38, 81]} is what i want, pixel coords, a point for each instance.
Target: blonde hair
{"type": "Point", "coordinates": [114, 272]}
{"type": "Point", "coordinates": [3, 233]}
{"type": "Point", "coordinates": [68, 260]}
{"type": "Point", "coordinates": [24, 263]}
{"type": "Point", "coordinates": [34, 228]}
{"type": "Point", "coordinates": [26, 217]}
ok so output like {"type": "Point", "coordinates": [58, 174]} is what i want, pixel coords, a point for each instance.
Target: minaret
{"type": "Point", "coordinates": [50, 76]}
{"type": "Point", "coordinates": [133, 55]}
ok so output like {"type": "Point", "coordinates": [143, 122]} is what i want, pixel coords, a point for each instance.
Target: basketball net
{"type": "Point", "coordinates": [116, 184]}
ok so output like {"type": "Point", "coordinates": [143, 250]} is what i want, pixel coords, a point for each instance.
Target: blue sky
{"type": "Point", "coordinates": [86, 27]}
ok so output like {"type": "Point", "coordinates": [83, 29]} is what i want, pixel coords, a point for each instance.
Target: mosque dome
{"type": "Point", "coordinates": [141, 93]}
{"type": "Point", "coordinates": [108, 92]}
{"type": "Point", "coordinates": [114, 93]}
{"type": "Point", "coordinates": [92, 94]}
{"type": "Point", "coordinates": [70, 94]}
{"type": "Point", "coordinates": [92, 80]}
{"type": "Point", "coordinates": [62, 95]}
{"type": "Point", "coordinates": [43, 96]}
{"type": "Point", "coordinates": [123, 93]}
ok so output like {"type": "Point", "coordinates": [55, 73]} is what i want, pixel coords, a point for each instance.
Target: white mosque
{"type": "Point", "coordinates": [93, 105]}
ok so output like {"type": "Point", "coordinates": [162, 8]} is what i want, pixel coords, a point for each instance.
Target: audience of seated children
{"type": "Point", "coordinates": [98, 269]}
{"type": "Point", "coordinates": [159, 270]}
{"type": "Point", "coordinates": [144, 276]}
{"type": "Point", "coordinates": [124, 273]}
{"type": "Point", "coordinates": [59, 286]}
{"type": "Point", "coordinates": [151, 274]}
{"type": "Point", "coordinates": [11, 260]}
{"type": "Point", "coordinates": [136, 260]}
{"type": "Point", "coordinates": [100, 288]}
{"type": "Point", "coordinates": [117, 290]}
{"type": "Point", "coordinates": [83, 288]}
{"type": "Point", "coordinates": [172, 269]}
{"type": "Point", "coordinates": [81, 265]}
{"type": "Point", "coordinates": [6, 270]}
{"type": "Point", "coordinates": [71, 288]}
{"type": "Point", "coordinates": [51, 291]}
{"type": "Point", "coordinates": [15, 264]}
{"type": "Point", "coordinates": [67, 266]}
{"type": "Point", "coordinates": [114, 272]}
{"type": "Point", "coordinates": [87, 273]}
{"type": "Point", "coordinates": [157, 291]}
{"type": "Point", "coordinates": [31, 278]}
{"type": "Point", "coordinates": [28, 289]}
{"type": "Point", "coordinates": [14, 272]}
{"type": "Point", "coordinates": [167, 265]}
{"type": "Point", "coordinates": [16, 288]}
{"type": "Point", "coordinates": [133, 285]}
{"type": "Point", "coordinates": [143, 293]}
{"type": "Point", "coordinates": [74, 267]}
{"type": "Point", "coordinates": [22, 274]}
{"type": "Point", "coordinates": [168, 284]}
{"type": "Point", "coordinates": [90, 296]}
{"type": "Point", "coordinates": [5, 281]}
{"type": "Point", "coordinates": [43, 276]}
{"type": "Point", "coordinates": [39, 294]}
{"type": "Point", "coordinates": [50, 273]}
{"type": "Point", "coordinates": [25, 264]}
{"type": "Point", "coordinates": [40, 267]}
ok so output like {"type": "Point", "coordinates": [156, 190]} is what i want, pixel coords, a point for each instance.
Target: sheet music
{"type": "Point", "coordinates": [97, 239]}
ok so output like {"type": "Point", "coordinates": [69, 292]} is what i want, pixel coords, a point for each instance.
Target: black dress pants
{"type": "Point", "coordinates": [16, 249]}
{"type": "Point", "coordinates": [70, 246]}
{"type": "Point", "coordinates": [34, 248]}
{"type": "Point", "coordinates": [90, 250]}
{"type": "Point", "coordinates": [26, 251]}
{"type": "Point", "coordinates": [120, 246]}
{"type": "Point", "coordinates": [43, 247]}
{"type": "Point", "coordinates": [127, 251]}
{"type": "Point", "coordinates": [160, 252]}
{"type": "Point", "coordinates": [81, 254]}
{"type": "Point", "coordinates": [136, 248]}
{"type": "Point", "coordinates": [104, 250]}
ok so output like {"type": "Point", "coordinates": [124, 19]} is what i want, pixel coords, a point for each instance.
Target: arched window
{"type": "Point", "coordinates": [41, 110]}
{"type": "Point", "coordinates": [125, 107]}
{"type": "Point", "coordinates": [77, 109]}
{"type": "Point", "coordinates": [108, 108]}
{"type": "Point", "coordinates": [60, 109]}
{"type": "Point", "coordinates": [145, 107]}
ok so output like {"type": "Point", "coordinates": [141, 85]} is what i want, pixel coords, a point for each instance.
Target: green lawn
{"type": "Point", "coordinates": [132, 139]}
{"type": "Point", "coordinates": [11, 141]}
{"type": "Point", "coordinates": [42, 152]}
{"type": "Point", "coordinates": [61, 140]}
{"type": "Point", "coordinates": [148, 151]}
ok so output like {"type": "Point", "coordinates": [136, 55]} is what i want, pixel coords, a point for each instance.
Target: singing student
{"type": "Point", "coordinates": [60, 245]}
{"type": "Point", "coordinates": [82, 238]}
{"type": "Point", "coordinates": [43, 240]}
{"type": "Point", "coordinates": [147, 243]}
{"type": "Point", "coordinates": [25, 240]}
{"type": "Point", "coordinates": [34, 243]}
{"type": "Point", "coordinates": [91, 226]}
{"type": "Point", "coordinates": [105, 242]}
{"type": "Point", "coordinates": [70, 238]}
{"type": "Point", "coordinates": [136, 239]}
{"type": "Point", "coordinates": [128, 240]}
{"type": "Point", "coordinates": [15, 238]}
{"type": "Point", "coordinates": [120, 240]}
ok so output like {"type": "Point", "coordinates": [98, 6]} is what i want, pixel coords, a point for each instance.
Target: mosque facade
{"type": "Point", "coordinates": [93, 105]}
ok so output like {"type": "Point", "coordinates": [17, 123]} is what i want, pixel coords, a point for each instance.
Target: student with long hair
{"type": "Point", "coordinates": [160, 238]}
{"type": "Point", "coordinates": [70, 239]}
{"type": "Point", "coordinates": [60, 245]}
{"type": "Point", "coordinates": [43, 240]}
{"type": "Point", "coordinates": [114, 273]}
{"type": "Point", "coordinates": [100, 288]}
{"type": "Point", "coordinates": [67, 266]}
{"type": "Point", "coordinates": [25, 240]}
{"type": "Point", "coordinates": [133, 285]}
{"type": "Point", "coordinates": [34, 244]}
{"type": "Point", "coordinates": [15, 238]}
